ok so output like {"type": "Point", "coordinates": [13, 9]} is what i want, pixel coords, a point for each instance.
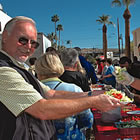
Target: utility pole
{"type": "Point", "coordinates": [118, 36]}
{"type": "Point", "coordinates": [122, 42]}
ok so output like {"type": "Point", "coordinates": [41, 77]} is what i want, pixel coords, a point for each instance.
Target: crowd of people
{"type": "Point", "coordinates": [51, 100]}
{"type": "Point", "coordinates": [49, 68]}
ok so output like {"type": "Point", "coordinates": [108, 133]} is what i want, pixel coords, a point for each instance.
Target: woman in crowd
{"type": "Point", "coordinates": [105, 67]}
{"type": "Point", "coordinates": [48, 68]}
{"type": "Point", "coordinates": [99, 66]}
{"type": "Point", "coordinates": [108, 77]}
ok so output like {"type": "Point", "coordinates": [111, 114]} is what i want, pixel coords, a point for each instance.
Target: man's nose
{"type": "Point", "coordinates": [29, 45]}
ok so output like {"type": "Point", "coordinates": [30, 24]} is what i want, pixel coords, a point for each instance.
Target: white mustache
{"type": "Point", "coordinates": [24, 50]}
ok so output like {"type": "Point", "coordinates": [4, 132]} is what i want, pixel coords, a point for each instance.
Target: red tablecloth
{"type": "Point", "coordinates": [108, 131]}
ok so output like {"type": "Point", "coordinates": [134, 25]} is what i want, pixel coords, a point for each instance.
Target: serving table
{"type": "Point", "coordinates": [108, 131]}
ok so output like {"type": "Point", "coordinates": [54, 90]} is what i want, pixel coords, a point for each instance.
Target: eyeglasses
{"type": "Point", "coordinates": [24, 41]}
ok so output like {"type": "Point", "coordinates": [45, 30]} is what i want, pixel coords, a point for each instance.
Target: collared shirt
{"type": "Point", "coordinates": [15, 93]}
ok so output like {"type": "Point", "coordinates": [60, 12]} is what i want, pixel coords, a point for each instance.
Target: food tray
{"type": "Point", "coordinates": [132, 130]}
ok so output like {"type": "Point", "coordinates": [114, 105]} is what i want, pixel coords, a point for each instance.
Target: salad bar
{"type": "Point", "coordinates": [127, 127]}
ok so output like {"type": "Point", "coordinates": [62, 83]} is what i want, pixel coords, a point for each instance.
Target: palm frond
{"type": "Point", "coordinates": [127, 3]}
{"type": "Point", "coordinates": [116, 3]}
{"type": "Point", "coordinates": [55, 18]}
{"type": "Point", "coordinates": [59, 27]}
{"type": "Point", "coordinates": [111, 23]}
{"type": "Point", "coordinates": [104, 19]}
{"type": "Point", "coordinates": [99, 21]}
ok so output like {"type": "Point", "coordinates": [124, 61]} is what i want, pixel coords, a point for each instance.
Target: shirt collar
{"type": "Point", "coordinates": [19, 64]}
{"type": "Point", "coordinates": [51, 79]}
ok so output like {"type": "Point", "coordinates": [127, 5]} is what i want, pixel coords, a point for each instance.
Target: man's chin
{"type": "Point", "coordinates": [22, 59]}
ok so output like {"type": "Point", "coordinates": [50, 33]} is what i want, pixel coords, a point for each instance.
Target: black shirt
{"type": "Point", "coordinates": [76, 78]}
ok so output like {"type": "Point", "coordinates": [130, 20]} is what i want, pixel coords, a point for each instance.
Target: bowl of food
{"type": "Point", "coordinates": [119, 95]}
{"type": "Point", "coordinates": [115, 114]}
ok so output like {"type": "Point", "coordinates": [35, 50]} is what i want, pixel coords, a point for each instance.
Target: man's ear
{"type": "Point", "coordinates": [126, 63]}
{"type": "Point", "coordinates": [75, 65]}
{"type": "Point", "coordinates": [4, 36]}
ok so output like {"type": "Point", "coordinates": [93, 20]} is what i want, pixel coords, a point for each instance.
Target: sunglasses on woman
{"type": "Point", "coordinates": [25, 41]}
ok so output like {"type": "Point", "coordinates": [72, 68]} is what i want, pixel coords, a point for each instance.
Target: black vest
{"type": "Point", "coordinates": [23, 127]}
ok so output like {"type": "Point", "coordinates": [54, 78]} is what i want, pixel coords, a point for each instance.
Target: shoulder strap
{"type": "Point", "coordinates": [57, 85]}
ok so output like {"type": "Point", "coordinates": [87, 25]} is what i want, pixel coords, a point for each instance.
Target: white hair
{"type": "Point", "coordinates": [10, 24]}
{"type": "Point", "coordinates": [69, 57]}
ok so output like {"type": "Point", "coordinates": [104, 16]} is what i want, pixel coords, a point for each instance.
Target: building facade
{"type": "Point", "coordinates": [136, 39]}
{"type": "Point", "coordinates": [4, 18]}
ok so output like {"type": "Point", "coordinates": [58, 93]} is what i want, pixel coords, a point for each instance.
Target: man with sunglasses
{"type": "Point", "coordinates": [27, 106]}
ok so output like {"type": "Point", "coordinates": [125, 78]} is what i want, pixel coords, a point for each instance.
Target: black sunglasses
{"type": "Point", "coordinates": [24, 41]}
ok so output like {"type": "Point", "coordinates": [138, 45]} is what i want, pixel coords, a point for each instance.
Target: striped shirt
{"type": "Point", "coordinates": [15, 93]}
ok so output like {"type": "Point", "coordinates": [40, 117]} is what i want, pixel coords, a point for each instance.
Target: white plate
{"type": "Point", "coordinates": [125, 103]}
{"type": "Point", "coordinates": [134, 112]}
{"type": "Point", "coordinates": [96, 89]}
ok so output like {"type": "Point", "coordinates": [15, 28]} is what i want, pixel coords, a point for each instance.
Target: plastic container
{"type": "Point", "coordinates": [111, 116]}
{"type": "Point", "coordinates": [127, 131]}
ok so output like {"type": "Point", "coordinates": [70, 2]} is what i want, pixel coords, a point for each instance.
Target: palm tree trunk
{"type": "Point", "coordinates": [127, 16]}
{"type": "Point", "coordinates": [55, 28]}
{"type": "Point", "coordinates": [118, 37]}
{"type": "Point", "coordinates": [104, 41]}
{"type": "Point", "coordinates": [55, 35]}
{"type": "Point", "coordinates": [59, 39]}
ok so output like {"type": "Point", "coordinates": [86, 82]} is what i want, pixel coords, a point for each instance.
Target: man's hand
{"type": "Point", "coordinates": [97, 92]}
{"type": "Point", "coordinates": [105, 103]}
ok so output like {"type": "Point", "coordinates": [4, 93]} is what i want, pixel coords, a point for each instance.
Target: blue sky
{"type": "Point", "coordinates": [78, 18]}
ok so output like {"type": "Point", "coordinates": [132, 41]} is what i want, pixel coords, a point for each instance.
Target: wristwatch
{"type": "Point", "coordinates": [89, 93]}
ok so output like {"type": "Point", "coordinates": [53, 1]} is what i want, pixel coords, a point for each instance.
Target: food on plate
{"type": "Point", "coordinates": [118, 69]}
{"type": "Point", "coordinates": [118, 72]}
{"type": "Point", "coordinates": [97, 85]}
{"type": "Point", "coordinates": [130, 124]}
{"type": "Point", "coordinates": [119, 95]}
{"type": "Point", "coordinates": [132, 118]}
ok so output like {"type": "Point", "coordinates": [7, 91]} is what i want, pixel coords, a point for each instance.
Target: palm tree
{"type": "Point", "coordinates": [59, 28]}
{"type": "Point", "coordinates": [55, 19]}
{"type": "Point", "coordinates": [126, 16]}
{"type": "Point", "coordinates": [62, 47]}
{"type": "Point", "coordinates": [51, 37]}
{"type": "Point", "coordinates": [104, 19]}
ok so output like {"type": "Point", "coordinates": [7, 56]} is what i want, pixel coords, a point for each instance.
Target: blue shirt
{"type": "Point", "coordinates": [70, 128]}
{"type": "Point", "coordinates": [110, 80]}
{"type": "Point", "coordinates": [89, 69]}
